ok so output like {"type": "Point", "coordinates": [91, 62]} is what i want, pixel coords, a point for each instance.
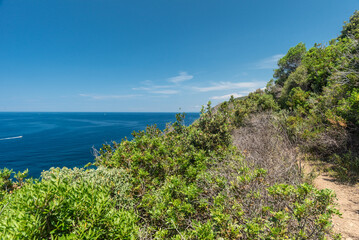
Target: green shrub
{"type": "Point", "coordinates": [289, 63]}
{"type": "Point", "coordinates": [351, 29]}
{"type": "Point", "coordinates": [349, 107]}
{"type": "Point", "coordinates": [346, 166]}
{"type": "Point", "coordinates": [190, 182]}
{"type": "Point", "coordinates": [184, 182]}
{"type": "Point", "coordinates": [8, 183]}
{"type": "Point", "coordinates": [296, 79]}
{"type": "Point", "coordinates": [65, 205]}
{"type": "Point", "coordinates": [258, 101]}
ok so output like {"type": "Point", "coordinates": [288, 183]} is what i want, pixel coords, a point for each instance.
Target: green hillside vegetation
{"type": "Point", "coordinates": [232, 174]}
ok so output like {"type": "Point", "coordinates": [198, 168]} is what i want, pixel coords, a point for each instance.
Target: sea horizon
{"type": "Point", "coordinates": [40, 140]}
{"type": "Point", "coordinates": [92, 112]}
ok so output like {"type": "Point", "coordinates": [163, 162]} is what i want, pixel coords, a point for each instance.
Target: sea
{"type": "Point", "coordinates": [39, 141]}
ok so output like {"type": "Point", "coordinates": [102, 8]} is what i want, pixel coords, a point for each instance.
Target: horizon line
{"type": "Point", "coordinates": [91, 112]}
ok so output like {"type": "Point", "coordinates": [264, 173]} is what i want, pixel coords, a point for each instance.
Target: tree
{"type": "Point", "coordinates": [289, 63]}
{"type": "Point", "coordinates": [351, 28]}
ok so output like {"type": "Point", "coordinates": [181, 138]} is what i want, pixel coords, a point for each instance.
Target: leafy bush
{"type": "Point", "coordinates": [257, 101]}
{"type": "Point", "coordinates": [7, 182]}
{"type": "Point", "coordinates": [349, 107]}
{"type": "Point", "coordinates": [318, 94]}
{"type": "Point", "coordinates": [66, 204]}
{"type": "Point", "coordinates": [183, 182]}
{"type": "Point", "coordinates": [350, 29]}
{"type": "Point", "coordinates": [190, 182]}
{"type": "Point", "coordinates": [289, 63]}
{"type": "Point", "coordinates": [296, 79]}
{"type": "Point", "coordinates": [346, 166]}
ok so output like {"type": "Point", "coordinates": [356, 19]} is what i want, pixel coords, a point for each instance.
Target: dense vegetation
{"type": "Point", "coordinates": [181, 183]}
{"type": "Point", "coordinates": [317, 91]}
{"type": "Point", "coordinates": [195, 182]}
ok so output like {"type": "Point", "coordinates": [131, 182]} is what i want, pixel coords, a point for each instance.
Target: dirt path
{"type": "Point", "coordinates": [260, 140]}
{"type": "Point", "coordinates": [348, 200]}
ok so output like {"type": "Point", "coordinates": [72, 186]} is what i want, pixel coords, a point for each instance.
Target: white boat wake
{"type": "Point", "coordinates": [10, 138]}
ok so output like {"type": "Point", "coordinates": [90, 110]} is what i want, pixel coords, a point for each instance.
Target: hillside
{"type": "Point", "coordinates": [236, 173]}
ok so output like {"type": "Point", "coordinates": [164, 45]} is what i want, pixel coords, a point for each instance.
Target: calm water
{"type": "Point", "coordinates": [66, 139]}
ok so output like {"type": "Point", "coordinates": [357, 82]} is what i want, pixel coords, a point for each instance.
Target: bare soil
{"type": "Point", "coordinates": [348, 203]}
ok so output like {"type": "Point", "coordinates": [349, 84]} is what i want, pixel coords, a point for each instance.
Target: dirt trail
{"type": "Point", "coordinates": [260, 139]}
{"type": "Point", "coordinates": [348, 200]}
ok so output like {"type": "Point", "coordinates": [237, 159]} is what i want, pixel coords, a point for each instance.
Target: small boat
{"type": "Point", "coordinates": [10, 138]}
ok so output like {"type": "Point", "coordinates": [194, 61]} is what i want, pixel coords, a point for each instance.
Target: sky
{"type": "Point", "coordinates": [150, 55]}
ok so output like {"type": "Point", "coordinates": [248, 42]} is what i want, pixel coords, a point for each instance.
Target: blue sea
{"type": "Point", "coordinates": [38, 141]}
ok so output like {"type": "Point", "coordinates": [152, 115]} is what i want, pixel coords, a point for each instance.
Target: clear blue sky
{"type": "Point", "coordinates": [150, 55]}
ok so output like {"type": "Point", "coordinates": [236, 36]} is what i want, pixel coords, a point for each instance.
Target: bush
{"type": "Point", "coordinates": [66, 204]}
{"type": "Point", "coordinates": [183, 182]}
{"type": "Point", "coordinates": [346, 166]}
{"type": "Point", "coordinates": [191, 181]}
{"type": "Point", "coordinates": [349, 107]}
{"type": "Point", "coordinates": [296, 79]}
{"type": "Point", "coordinates": [258, 101]}
{"type": "Point", "coordinates": [9, 181]}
